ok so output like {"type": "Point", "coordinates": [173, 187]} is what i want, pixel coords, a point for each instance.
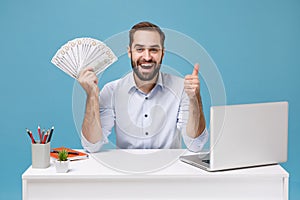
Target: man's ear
{"type": "Point", "coordinates": [129, 52]}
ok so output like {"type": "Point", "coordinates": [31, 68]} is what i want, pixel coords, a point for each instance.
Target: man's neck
{"type": "Point", "coordinates": [145, 86]}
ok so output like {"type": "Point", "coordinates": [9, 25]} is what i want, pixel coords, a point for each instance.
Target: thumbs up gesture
{"type": "Point", "coordinates": [192, 84]}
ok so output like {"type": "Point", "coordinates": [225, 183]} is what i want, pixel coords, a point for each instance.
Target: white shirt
{"type": "Point", "coordinates": [145, 121]}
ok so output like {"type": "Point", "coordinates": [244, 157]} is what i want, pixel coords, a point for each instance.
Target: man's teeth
{"type": "Point", "coordinates": [147, 65]}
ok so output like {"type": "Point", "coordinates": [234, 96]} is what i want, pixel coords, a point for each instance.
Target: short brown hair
{"type": "Point", "coordinates": [146, 26]}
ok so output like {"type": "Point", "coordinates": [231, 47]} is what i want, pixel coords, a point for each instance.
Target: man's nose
{"type": "Point", "coordinates": [147, 55]}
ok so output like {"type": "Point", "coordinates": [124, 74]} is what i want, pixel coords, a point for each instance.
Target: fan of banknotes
{"type": "Point", "coordinates": [79, 53]}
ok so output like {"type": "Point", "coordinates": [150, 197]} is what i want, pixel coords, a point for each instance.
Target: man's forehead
{"type": "Point", "coordinates": [146, 38]}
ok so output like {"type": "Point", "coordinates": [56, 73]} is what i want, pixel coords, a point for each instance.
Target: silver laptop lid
{"type": "Point", "coordinates": [248, 135]}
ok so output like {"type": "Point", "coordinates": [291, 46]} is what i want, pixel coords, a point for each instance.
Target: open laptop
{"type": "Point", "coordinates": [244, 136]}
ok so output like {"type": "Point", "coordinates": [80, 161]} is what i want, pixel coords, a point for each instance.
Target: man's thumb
{"type": "Point", "coordinates": [196, 69]}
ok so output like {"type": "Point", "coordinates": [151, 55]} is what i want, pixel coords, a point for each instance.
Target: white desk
{"type": "Point", "coordinates": [94, 178]}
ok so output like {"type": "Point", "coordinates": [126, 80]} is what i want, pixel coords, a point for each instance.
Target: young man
{"type": "Point", "coordinates": [148, 108]}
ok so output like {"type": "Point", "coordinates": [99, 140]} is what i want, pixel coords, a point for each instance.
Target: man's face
{"type": "Point", "coordinates": [146, 54]}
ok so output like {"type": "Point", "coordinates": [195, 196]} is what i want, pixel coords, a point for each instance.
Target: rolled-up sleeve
{"type": "Point", "coordinates": [196, 144]}
{"type": "Point", "coordinates": [92, 147]}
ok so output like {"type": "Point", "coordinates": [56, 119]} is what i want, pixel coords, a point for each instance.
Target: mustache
{"type": "Point", "coordinates": [145, 61]}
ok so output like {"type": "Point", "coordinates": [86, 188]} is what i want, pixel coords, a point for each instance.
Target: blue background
{"type": "Point", "coordinates": [255, 45]}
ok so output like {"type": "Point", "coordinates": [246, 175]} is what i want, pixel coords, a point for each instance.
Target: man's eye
{"type": "Point", "coordinates": [139, 49]}
{"type": "Point", "coordinates": [154, 50]}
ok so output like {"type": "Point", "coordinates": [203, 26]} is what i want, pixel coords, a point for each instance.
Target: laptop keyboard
{"type": "Point", "coordinates": [206, 161]}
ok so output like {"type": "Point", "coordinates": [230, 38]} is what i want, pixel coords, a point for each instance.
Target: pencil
{"type": "Point", "coordinates": [50, 135]}
{"type": "Point", "coordinates": [40, 134]}
{"type": "Point", "coordinates": [30, 135]}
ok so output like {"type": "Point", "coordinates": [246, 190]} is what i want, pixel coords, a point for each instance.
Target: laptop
{"type": "Point", "coordinates": [244, 135]}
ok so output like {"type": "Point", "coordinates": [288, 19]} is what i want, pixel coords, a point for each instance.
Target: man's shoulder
{"type": "Point", "coordinates": [173, 76]}
{"type": "Point", "coordinates": [172, 81]}
{"type": "Point", "coordinates": [113, 84]}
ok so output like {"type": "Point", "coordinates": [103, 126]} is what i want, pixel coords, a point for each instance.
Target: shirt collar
{"type": "Point", "coordinates": [132, 85]}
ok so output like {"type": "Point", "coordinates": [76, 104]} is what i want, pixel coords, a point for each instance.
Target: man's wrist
{"type": "Point", "coordinates": [195, 100]}
{"type": "Point", "coordinates": [93, 94]}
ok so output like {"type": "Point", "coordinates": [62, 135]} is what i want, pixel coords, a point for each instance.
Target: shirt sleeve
{"type": "Point", "coordinates": [107, 118]}
{"type": "Point", "coordinates": [92, 147]}
{"type": "Point", "coordinates": [192, 144]}
{"type": "Point", "coordinates": [196, 144]}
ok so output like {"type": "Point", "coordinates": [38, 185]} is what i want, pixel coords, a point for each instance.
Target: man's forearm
{"type": "Point", "coordinates": [196, 120]}
{"type": "Point", "coordinates": [91, 126]}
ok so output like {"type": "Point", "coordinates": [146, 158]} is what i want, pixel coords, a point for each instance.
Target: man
{"type": "Point", "coordinates": [147, 108]}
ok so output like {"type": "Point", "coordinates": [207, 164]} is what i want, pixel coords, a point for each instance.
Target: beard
{"type": "Point", "coordinates": [145, 76]}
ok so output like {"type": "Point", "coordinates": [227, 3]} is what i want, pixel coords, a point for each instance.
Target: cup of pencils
{"type": "Point", "coordinates": [40, 149]}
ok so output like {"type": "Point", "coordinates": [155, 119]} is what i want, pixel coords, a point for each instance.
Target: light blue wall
{"type": "Point", "coordinates": [255, 45]}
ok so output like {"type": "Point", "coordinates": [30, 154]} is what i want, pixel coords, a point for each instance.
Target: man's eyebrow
{"type": "Point", "coordinates": [151, 46]}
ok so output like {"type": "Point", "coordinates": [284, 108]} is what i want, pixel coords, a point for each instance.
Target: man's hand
{"type": "Point", "coordinates": [192, 84]}
{"type": "Point", "coordinates": [89, 81]}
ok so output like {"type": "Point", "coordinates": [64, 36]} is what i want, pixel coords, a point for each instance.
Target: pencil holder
{"type": "Point", "coordinates": [40, 155]}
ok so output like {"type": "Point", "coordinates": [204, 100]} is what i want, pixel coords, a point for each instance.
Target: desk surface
{"type": "Point", "coordinates": [149, 163]}
{"type": "Point", "coordinates": [152, 174]}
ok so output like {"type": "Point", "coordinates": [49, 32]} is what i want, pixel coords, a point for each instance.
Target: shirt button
{"type": "Point", "coordinates": [146, 115]}
{"type": "Point", "coordinates": [146, 98]}
{"type": "Point", "coordinates": [146, 133]}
